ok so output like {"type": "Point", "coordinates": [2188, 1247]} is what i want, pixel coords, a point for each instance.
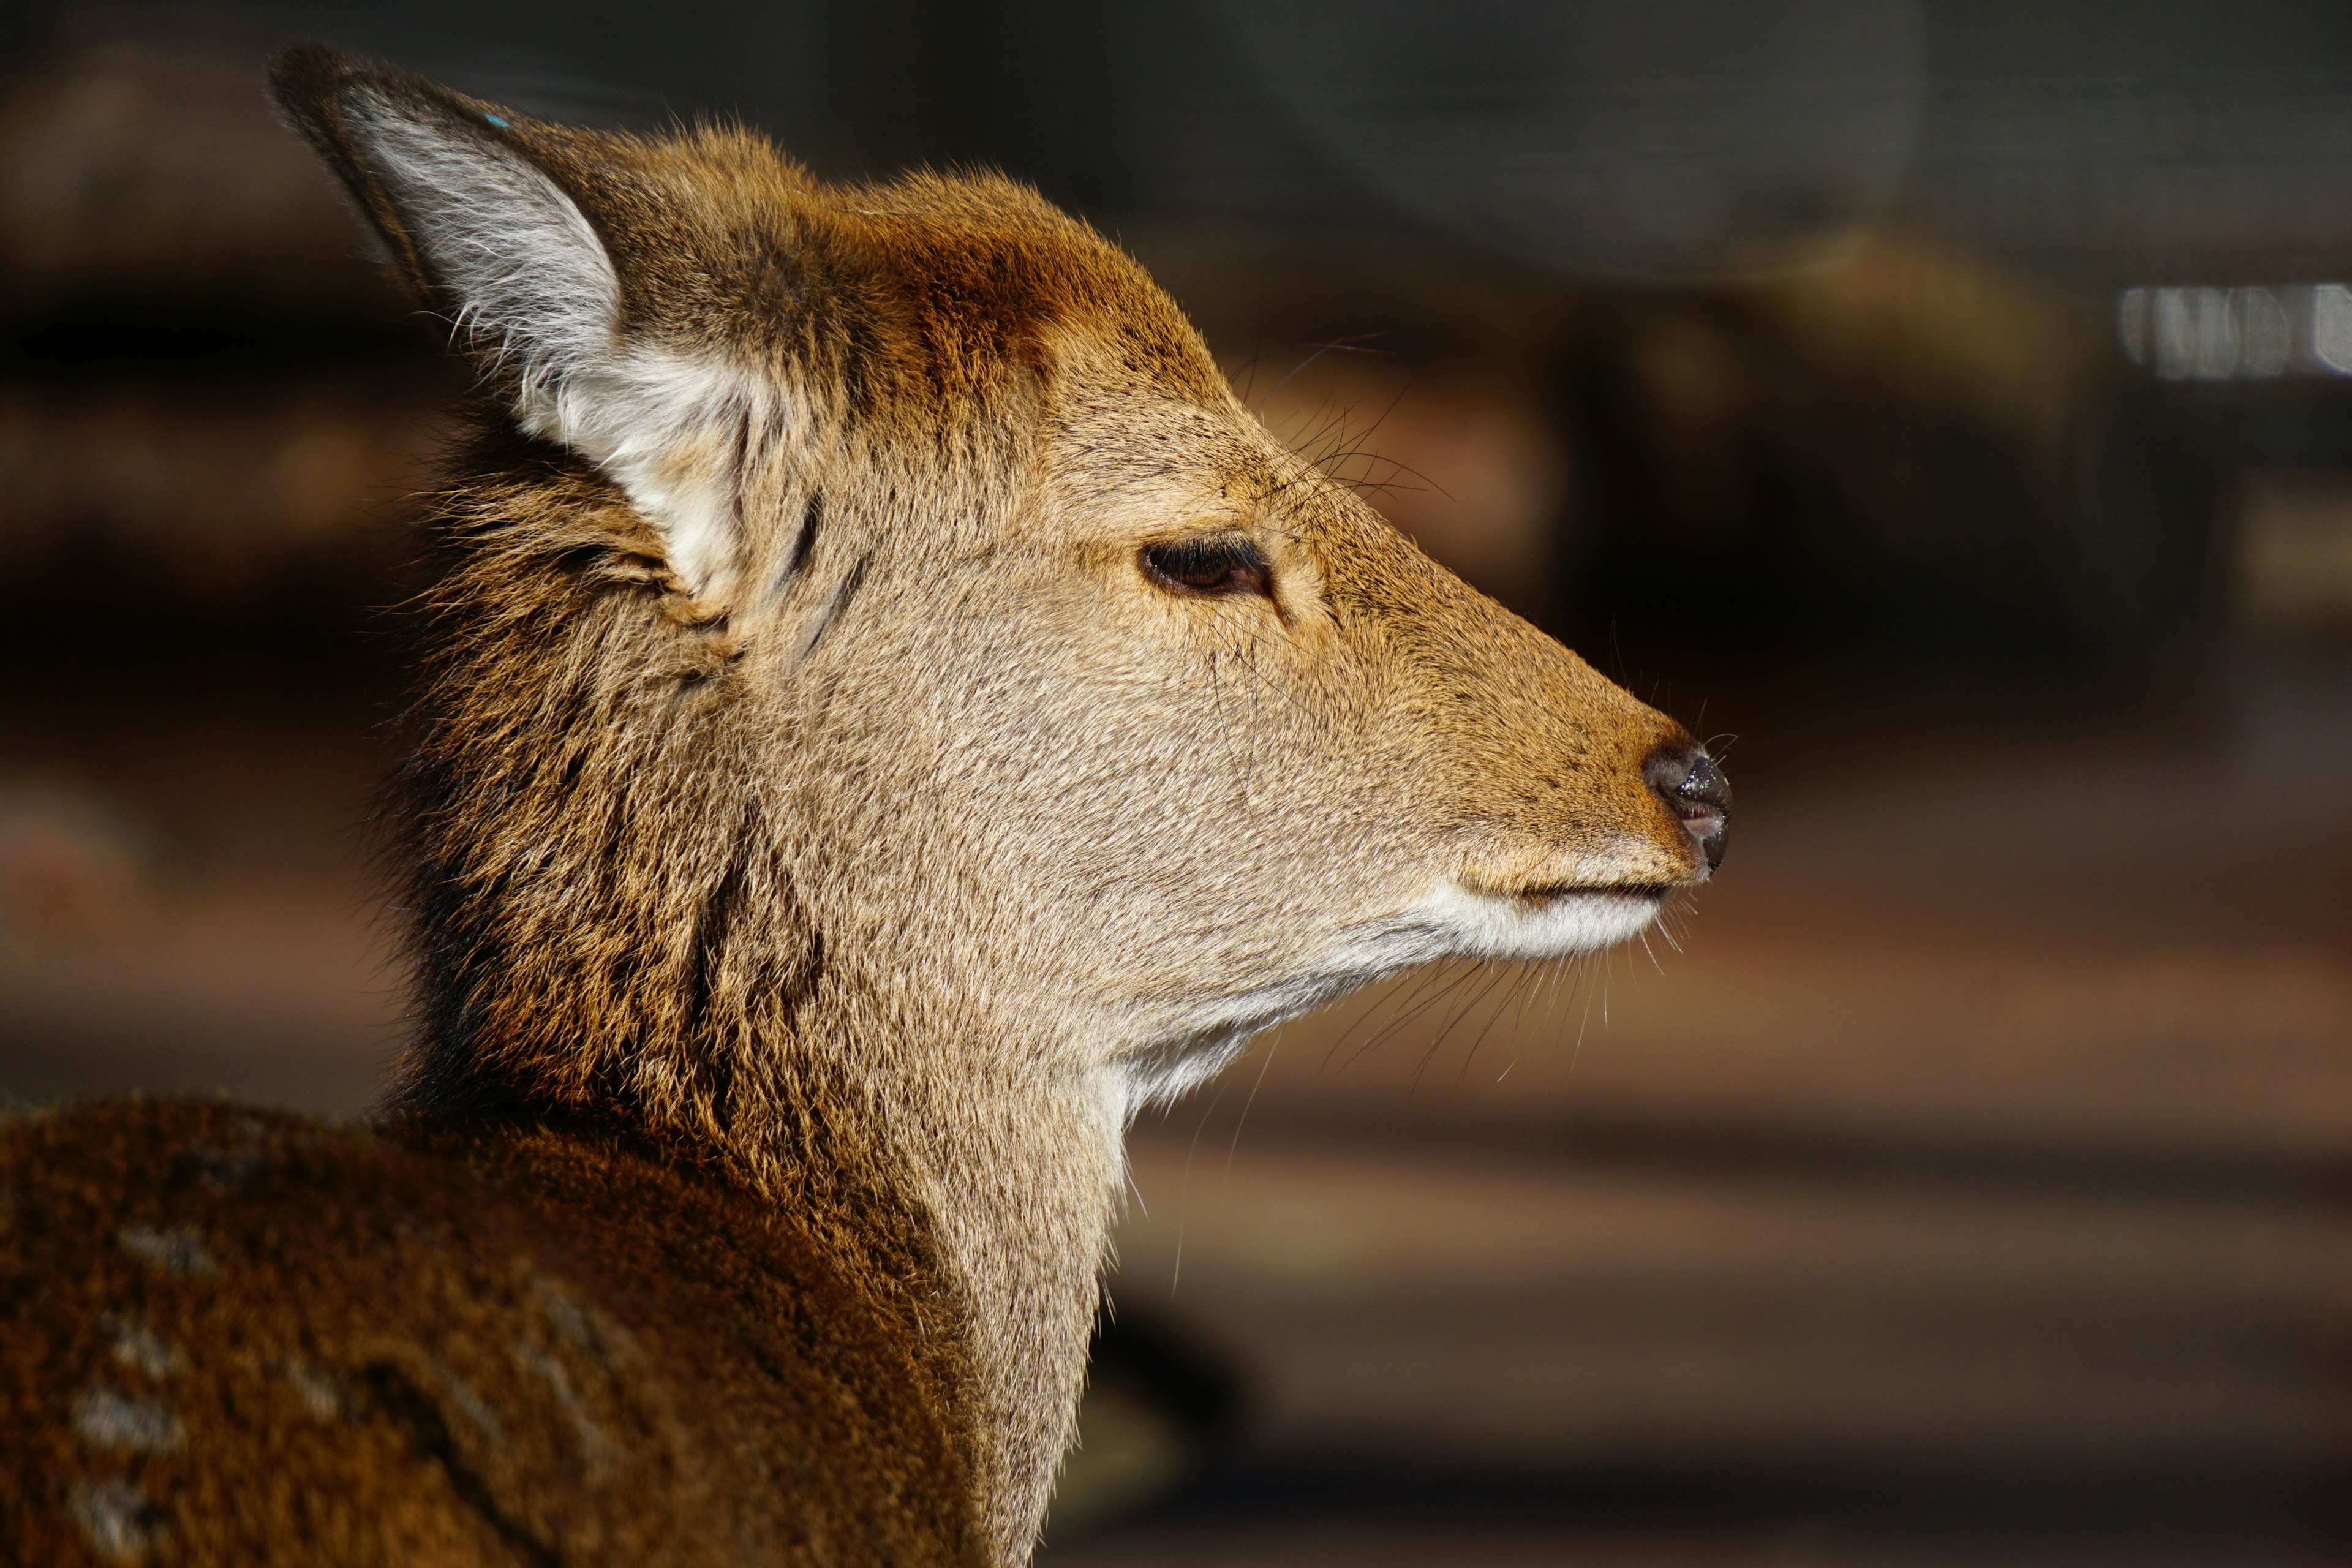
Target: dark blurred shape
{"type": "Point", "coordinates": [175, 493]}
{"type": "Point", "coordinates": [140, 170]}
{"type": "Point", "coordinates": [213, 409]}
{"type": "Point", "coordinates": [73, 864]}
{"type": "Point", "coordinates": [209, 394]}
{"type": "Point", "coordinates": [1679, 140]}
{"type": "Point", "coordinates": [2122, 142]}
{"type": "Point", "coordinates": [1908, 449]}
{"type": "Point", "coordinates": [1160, 1408]}
{"type": "Point", "coordinates": [2294, 568]}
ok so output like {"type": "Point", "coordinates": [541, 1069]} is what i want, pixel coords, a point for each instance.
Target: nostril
{"type": "Point", "coordinates": [1695, 791]}
{"type": "Point", "coordinates": [1706, 785]}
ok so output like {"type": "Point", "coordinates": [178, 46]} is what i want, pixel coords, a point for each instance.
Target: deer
{"type": "Point", "coordinates": [886, 713]}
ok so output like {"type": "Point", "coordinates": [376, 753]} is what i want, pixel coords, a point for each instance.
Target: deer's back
{"type": "Point", "coordinates": [232, 1335]}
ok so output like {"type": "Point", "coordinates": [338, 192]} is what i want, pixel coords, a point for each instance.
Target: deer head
{"type": "Point", "coordinates": [875, 650]}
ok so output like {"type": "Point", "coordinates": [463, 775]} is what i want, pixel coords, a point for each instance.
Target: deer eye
{"type": "Point", "coordinates": [1213, 563]}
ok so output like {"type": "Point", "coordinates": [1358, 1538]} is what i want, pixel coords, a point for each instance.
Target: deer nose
{"type": "Point", "coordinates": [1695, 791]}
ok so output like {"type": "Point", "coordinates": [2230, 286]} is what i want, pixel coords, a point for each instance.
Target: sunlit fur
{"type": "Point", "coordinates": [809, 785]}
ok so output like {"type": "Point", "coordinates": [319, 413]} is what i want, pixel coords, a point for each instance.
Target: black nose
{"type": "Point", "coordinates": [1694, 790]}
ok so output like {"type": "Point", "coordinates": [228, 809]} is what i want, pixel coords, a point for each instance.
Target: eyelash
{"type": "Point", "coordinates": [1214, 565]}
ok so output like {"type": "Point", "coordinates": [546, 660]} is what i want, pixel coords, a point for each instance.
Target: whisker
{"type": "Point", "coordinates": [1274, 1043]}
{"type": "Point", "coordinates": [1584, 1019]}
{"type": "Point", "coordinates": [1495, 975]}
{"type": "Point", "coordinates": [1523, 981]}
{"type": "Point", "coordinates": [1423, 979]}
{"type": "Point", "coordinates": [1185, 1185]}
{"type": "Point", "coordinates": [1337, 345]}
{"type": "Point", "coordinates": [1442, 992]}
{"type": "Point", "coordinates": [1379, 997]}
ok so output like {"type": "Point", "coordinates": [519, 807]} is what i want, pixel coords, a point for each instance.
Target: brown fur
{"type": "Point", "coordinates": [258, 1340]}
{"type": "Point", "coordinates": [796, 932]}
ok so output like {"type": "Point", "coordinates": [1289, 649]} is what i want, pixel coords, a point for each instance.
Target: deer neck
{"type": "Point", "coordinates": [1016, 1172]}
{"type": "Point", "coordinates": [611, 926]}
{"type": "Point", "coordinates": [976, 1204]}
{"type": "Point", "coordinates": [1022, 1181]}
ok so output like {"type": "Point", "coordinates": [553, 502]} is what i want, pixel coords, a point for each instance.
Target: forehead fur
{"type": "Point", "coordinates": [929, 287]}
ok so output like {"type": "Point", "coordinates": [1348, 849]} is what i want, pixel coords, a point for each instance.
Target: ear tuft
{"type": "Point", "coordinates": [478, 224]}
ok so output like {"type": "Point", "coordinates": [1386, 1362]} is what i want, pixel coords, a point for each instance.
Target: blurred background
{"type": "Point", "coordinates": [1946, 408]}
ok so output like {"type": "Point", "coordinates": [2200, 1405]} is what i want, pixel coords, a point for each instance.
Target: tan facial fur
{"type": "Point", "coordinates": [816, 781]}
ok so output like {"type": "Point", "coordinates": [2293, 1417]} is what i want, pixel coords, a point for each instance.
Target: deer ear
{"type": "Point", "coordinates": [478, 205]}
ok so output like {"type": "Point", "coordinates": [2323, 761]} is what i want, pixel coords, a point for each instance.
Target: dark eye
{"type": "Point", "coordinates": [1217, 563]}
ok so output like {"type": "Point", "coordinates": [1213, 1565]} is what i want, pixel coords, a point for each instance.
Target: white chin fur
{"type": "Point", "coordinates": [1450, 921]}
{"type": "Point", "coordinates": [1497, 925]}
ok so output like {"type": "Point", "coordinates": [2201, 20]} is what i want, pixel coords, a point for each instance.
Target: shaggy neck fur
{"type": "Point", "coordinates": [608, 926]}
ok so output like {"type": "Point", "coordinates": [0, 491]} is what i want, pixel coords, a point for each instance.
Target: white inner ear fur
{"type": "Point", "coordinates": [668, 428]}
{"type": "Point", "coordinates": [534, 286]}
